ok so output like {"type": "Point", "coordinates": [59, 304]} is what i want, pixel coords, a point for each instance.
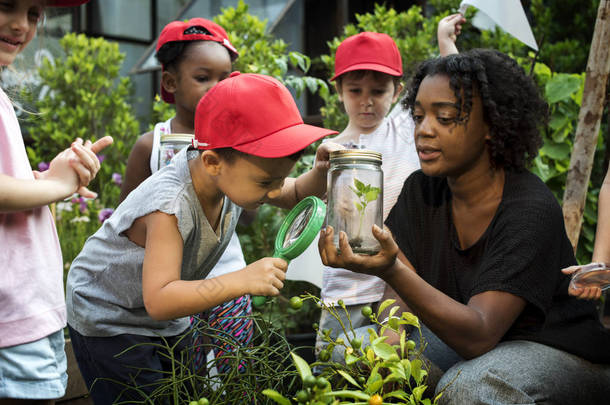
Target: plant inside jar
{"type": "Point", "coordinates": [366, 194]}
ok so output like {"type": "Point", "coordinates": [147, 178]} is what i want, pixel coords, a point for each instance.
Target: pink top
{"type": "Point", "coordinates": [32, 303]}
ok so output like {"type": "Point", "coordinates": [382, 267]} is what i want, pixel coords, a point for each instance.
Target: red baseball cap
{"type": "Point", "coordinates": [254, 114]}
{"type": "Point", "coordinates": [175, 32]}
{"type": "Point", "coordinates": [368, 51]}
{"type": "Point", "coordinates": [65, 3]}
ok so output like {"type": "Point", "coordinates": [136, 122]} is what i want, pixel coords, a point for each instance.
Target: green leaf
{"type": "Point", "coordinates": [419, 391]}
{"type": "Point", "coordinates": [558, 151]}
{"type": "Point", "coordinates": [277, 397]}
{"type": "Point", "coordinates": [561, 87]}
{"type": "Point", "coordinates": [384, 350]}
{"type": "Point", "coordinates": [301, 365]}
{"type": "Point", "coordinates": [351, 359]}
{"type": "Point", "coordinates": [359, 185]}
{"type": "Point", "coordinates": [372, 195]}
{"type": "Point", "coordinates": [349, 378]}
{"type": "Point", "coordinates": [347, 394]}
{"type": "Point", "coordinates": [384, 305]}
{"type": "Point", "coordinates": [408, 318]}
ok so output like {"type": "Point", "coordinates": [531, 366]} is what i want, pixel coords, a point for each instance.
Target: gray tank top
{"type": "Point", "coordinates": [104, 287]}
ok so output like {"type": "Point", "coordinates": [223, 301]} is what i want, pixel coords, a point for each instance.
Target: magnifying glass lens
{"type": "Point", "coordinates": [297, 227]}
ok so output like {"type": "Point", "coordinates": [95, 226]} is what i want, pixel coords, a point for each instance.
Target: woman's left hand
{"type": "Point", "coordinates": [375, 265]}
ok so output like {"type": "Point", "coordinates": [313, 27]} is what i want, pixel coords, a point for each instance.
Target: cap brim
{"type": "Point", "coordinates": [285, 142]}
{"type": "Point", "coordinates": [369, 66]}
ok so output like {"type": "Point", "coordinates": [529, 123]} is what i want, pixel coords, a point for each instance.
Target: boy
{"type": "Point", "coordinates": [140, 276]}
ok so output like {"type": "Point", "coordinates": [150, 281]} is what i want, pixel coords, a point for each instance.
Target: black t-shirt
{"type": "Point", "coordinates": [521, 252]}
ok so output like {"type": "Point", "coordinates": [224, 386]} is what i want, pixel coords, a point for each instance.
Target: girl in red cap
{"type": "Point", "coordinates": [32, 307]}
{"type": "Point", "coordinates": [194, 56]}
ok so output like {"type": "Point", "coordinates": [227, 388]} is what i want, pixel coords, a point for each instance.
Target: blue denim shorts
{"type": "Point", "coordinates": [35, 370]}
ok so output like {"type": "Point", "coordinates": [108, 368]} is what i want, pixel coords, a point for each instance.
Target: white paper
{"type": "Point", "coordinates": [308, 266]}
{"type": "Point", "coordinates": [507, 14]}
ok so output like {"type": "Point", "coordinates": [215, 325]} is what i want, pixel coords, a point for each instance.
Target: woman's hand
{"type": "Point", "coordinates": [376, 265]}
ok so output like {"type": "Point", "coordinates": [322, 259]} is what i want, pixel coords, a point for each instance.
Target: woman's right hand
{"type": "Point", "coordinates": [265, 276]}
{"type": "Point", "coordinates": [375, 265]}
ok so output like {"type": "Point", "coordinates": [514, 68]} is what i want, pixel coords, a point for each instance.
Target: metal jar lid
{"type": "Point", "coordinates": [177, 138]}
{"type": "Point", "coordinates": [355, 155]}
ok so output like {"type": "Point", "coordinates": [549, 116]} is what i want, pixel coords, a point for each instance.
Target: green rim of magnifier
{"type": "Point", "coordinates": [308, 234]}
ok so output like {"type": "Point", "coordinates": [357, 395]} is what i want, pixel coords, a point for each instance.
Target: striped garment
{"type": "Point", "coordinates": [231, 328]}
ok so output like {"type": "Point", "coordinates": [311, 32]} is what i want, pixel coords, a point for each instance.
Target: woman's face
{"type": "Point", "coordinates": [18, 22]}
{"type": "Point", "coordinates": [446, 146]}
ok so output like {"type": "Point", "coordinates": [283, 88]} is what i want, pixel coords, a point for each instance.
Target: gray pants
{"type": "Point", "coordinates": [516, 372]}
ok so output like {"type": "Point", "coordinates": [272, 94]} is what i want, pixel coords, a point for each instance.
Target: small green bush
{"type": "Point", "coordinates": [87, 99]}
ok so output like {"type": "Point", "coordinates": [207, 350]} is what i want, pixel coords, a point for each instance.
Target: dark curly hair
{"type": "Point", "coordinates": [512, 105]}
{"type": "Point", "coordinates": [172, 53]}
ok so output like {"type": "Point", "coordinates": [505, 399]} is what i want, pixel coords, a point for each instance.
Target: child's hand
{"type": "Point", "coordinates": [61, 173]}
{"type": "Point", "coordinates": [74, 168]}
{"type": "Point", "coordinates": [374, 265]}
{"type": "Point", "coordinates": [447, 31]}
{"type": "Point", "coordinates": [86, 163]}
{"type": "Point", "coordinates": [322, 155]}
{"type": "Point", "coordinates": [265, 276]}
{"type": "Point", "coordinates": [584, 293]}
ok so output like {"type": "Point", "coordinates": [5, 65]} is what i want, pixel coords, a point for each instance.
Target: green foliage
{"type": "Point", "coordinates": [87, 99]}
{"type": "Point", "coordinates": [260, 52]}
{"type": "Point", "coordinates": [369, 373]}
{"type": "Point", "coordinates": [414, 35]}
{"type": "Point", "coordinates": [563, 92]}
{"type": "Point", "coordinates": [265, 365]}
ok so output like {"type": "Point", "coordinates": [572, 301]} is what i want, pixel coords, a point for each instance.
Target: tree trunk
{"type": "Point", "coordinates": [589, 119]}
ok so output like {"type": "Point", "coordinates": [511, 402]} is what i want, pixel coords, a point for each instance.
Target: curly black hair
{"type": "Point", "coordinates": [171, 53]}
{"type": "Point", "coordinates": [512, 105]}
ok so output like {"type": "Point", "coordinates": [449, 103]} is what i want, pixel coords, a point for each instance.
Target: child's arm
{"type": "Point", "coordinates": [601, 251]}
{"type": "Point", "coordinates": [166, 296]}
{"type": "Point", "coordinates": [69, 172]}
{"type": "Point", "coordinates": [448, 30]}
{"type": "Point", "coordinates": [312, 182]}
{"type": "Point", "coordinates": [138, 165]}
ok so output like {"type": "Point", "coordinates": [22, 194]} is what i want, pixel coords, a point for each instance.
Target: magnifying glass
{"type": "Point", "coordinates": [296, 233]}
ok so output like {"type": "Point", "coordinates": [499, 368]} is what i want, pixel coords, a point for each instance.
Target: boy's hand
{"type": "Point", "coordinates": [323, 153]}
{"type": "Point", "coordinates": [265, 276]}
{"type": "Point", "coordinates": [375, 265]}
{"type": "Point", "coordinates": [447, 31]}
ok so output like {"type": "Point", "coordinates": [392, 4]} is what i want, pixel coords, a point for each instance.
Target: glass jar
{"type": "Point", "coordinates": [172, 144]}
{"type": "Point", "coordinates": [355, 197]}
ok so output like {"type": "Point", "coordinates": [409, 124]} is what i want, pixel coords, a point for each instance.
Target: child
{"type": "Point", "coordinates": [480, 242]}
{"type": "Point", "coordinates": [194, 55]}
{"type": "Point", "coordinates": [32, 308]}
{"type": "Point", "coordinates": [368, 73]}
{"type": "Point", "coordinates": [141, 275]}
{"type": "Point", "coordinates": [601, 250]}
